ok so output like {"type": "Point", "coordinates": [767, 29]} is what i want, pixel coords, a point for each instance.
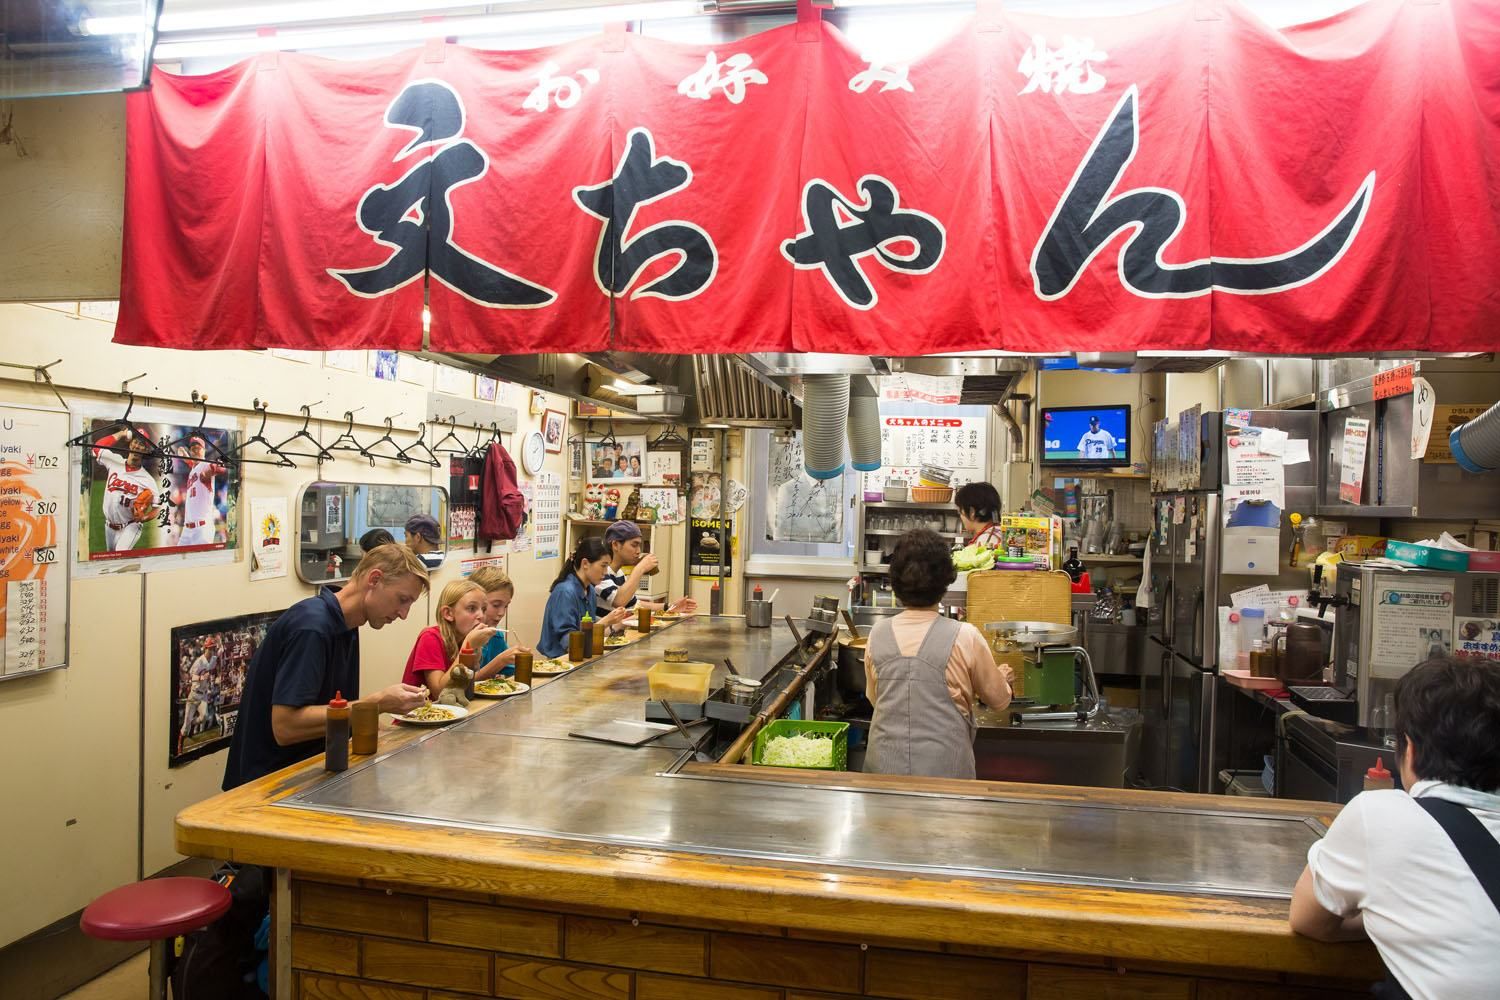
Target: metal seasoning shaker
{"type": "Point", "coordinates": [364, 718]}
{"type": "Point", "coordinates": [336, 752]}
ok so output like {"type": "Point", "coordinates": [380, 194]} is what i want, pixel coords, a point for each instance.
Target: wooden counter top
{"type": "Point", "coordinates": [1172, 928]}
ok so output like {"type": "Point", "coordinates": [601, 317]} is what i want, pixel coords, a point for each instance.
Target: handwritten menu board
{"type": "Point", "coordinates": [33, 539]}
{"type": "Point", "coordinates": [908, 443]}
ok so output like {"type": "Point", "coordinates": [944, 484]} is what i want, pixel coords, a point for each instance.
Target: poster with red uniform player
{"type": "Point", "coordinates": [209, 663]}
{"type": "Point", "coordinates": [156, 488]}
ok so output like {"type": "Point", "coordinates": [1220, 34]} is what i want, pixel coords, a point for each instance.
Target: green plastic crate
{"type": "Point", "coordinates": [837, 731]}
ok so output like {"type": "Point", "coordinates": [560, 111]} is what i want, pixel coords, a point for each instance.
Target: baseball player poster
{"type": "Point", "coordinates": [155, 489]}
{"type": "Point", "coordinates": [209, 662]}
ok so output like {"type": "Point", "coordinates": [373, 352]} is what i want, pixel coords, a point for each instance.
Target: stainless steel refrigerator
{"type": "Point", "coordinates": [1179, 692]}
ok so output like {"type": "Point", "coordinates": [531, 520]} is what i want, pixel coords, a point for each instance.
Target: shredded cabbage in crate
{"type": "Point", "coordinates": [798, 751]}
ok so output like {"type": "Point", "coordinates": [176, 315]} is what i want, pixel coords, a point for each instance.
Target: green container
{"type": "Point", "coordinates": [1428, 556]}
{"type": "Point", "coordinates": [836, 731]}
{"type": "Point", "coordinates": [1051, 681]}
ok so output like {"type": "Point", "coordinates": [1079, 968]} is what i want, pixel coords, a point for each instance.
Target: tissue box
{"type": "Point", "coordinates": [1429, 556]}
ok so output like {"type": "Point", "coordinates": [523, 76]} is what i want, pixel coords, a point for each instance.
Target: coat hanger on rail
{"type": "Point", "coordinates": [320, 453]}
{"type": "Point", "coordinates": [211, 451]}
{"type": "Point", "coordinates": [669, 436]}
{"type": "Point", "coordinates": [278, 459]}
{"type": "Point", "coordinates": [370, 452]}
{"type": "Point", "coordinates": [346, 441]}
{"type": "Point", "coordinates": [441, 446]}
{"type": "Point", "coordinates": [421, 442]}
{"type": "Point", "coordinates": [91, 438]}
{"type": "Point", "coordinates": [481, 444]}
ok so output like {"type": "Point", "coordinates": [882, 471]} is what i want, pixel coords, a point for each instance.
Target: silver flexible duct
{"type": "Point", "coordinates": [825, 413]}
{"type": "Point", "coordinates": [864, 424]}
{"type": "Point", "coordinates": [1476, 444]}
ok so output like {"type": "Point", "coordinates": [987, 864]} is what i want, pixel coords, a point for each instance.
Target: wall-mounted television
{"type": "Point", "coordinates": [1096, 436]}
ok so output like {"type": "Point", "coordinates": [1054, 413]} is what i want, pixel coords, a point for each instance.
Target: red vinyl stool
{"type": "Point", "coordinates": [156, 910]}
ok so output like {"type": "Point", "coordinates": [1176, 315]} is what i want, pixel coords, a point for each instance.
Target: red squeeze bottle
{"type": "Point", "coordinates": [336, 754]}
{"type": "Point", "coordinates": [1378, 776]}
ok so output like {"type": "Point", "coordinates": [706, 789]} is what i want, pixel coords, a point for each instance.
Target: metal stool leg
{"type": "Point", "coordinates": [158, 970]}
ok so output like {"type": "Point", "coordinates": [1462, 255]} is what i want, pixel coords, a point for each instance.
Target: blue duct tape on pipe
{"type": "Point", "coordinates": [866, 466]}
{"type": "Point", "coordinates": [1455, 443]}
{"type": "Point", "coordinates": [825, 473]}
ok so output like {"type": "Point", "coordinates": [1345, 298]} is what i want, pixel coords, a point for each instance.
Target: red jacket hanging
{"type": "Point", "coordinates": [502, 508]}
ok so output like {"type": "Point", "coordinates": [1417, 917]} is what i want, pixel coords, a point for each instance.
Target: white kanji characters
{"type": "Point", "coordinates": [712, 76]}
{"type": "Point", "coordinates": [1068, 69]}
{"type": "Point", "coordinates": [563, 91]}
{"type": "Point", "coordinates": [889, 77]}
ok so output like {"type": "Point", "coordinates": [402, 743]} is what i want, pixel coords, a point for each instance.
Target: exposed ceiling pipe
{"type": "Point", "coordinates": [864, 425]}
{"type": "Point", "coordinates": [1476, 444]}
{"type": "Point", "coordinates": [825, 415]}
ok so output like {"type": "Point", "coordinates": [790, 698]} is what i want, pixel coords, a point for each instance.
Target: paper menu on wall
{"type": "Point", "coordinates": [1476, 638]}
{"type": "Point", "coordinates": [1423, 407]}
{"type": "Point", "coordinates": [547, 515]}
{"type": "Point", "coordinates": [1274, 493]}
{"type": "Point", "coordinates": [1352, 470]}
{"type": "Point", "coordinates": [34, 552]}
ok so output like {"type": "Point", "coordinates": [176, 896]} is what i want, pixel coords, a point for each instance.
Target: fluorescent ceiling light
{"type": "Point", "coordinates": [400, 32]}
{"type": "Point", "coordinates": [632, 389]}
{"type": "Point", "coordinates": [259, 15]}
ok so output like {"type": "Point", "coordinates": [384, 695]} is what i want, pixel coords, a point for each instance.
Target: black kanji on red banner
{"type": "Point", "coordinates": [642, 177]}
{"type": "Point", "coordinates": [415, 215]}
{"type": "Point", "coordinates": [839, 232]}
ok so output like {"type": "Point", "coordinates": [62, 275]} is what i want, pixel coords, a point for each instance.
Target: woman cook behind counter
{"type": "Point", "coordinates": [573, 596]}
{"type": "Point", "coordinates": [979, 509]}
{"type": "Point", "coordinates": [922, 671]}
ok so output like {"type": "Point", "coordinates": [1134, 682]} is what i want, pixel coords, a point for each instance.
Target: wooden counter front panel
{"type": "Point", "coordinates": [363, 942]}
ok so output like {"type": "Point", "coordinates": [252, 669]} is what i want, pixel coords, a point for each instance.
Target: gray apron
{"type": "Point", "coordinates": [917, 729]}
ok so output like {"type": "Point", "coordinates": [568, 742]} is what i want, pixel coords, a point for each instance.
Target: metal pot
{"type": "Point", "coordinates": [851, 663]}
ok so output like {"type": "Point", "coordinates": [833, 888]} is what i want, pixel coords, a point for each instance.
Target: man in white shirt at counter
{"type": "Point", "coordinates": [1389, 866]}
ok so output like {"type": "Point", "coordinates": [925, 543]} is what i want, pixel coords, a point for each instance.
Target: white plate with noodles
{"type": "Point", "coordinates": [551, 668]}
{"type": "Point", "coordinates": [502, 687]}
{"type": "Point", "coordinates": [433, 715]}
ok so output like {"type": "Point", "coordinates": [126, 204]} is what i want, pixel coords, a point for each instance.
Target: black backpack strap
{"type": "Point", "coordinates": [1479, 849]}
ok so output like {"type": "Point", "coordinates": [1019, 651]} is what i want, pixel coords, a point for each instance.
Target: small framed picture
{"type": "Point", "coordinates": [618, 461]}
{"type": "Point", "coordinates": [554, 429]}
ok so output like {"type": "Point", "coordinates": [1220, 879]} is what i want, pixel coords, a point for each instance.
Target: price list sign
{"type": "Point", "coordinates": [33, 539]}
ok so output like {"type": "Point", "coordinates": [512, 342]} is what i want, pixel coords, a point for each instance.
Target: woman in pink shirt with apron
{"type": "Point", "coordinates": [979, 509]}
{"type": "Point", "coordinates": [922, 671]}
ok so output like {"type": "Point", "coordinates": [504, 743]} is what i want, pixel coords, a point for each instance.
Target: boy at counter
{"type": "Point", "coordinates": [498, 658]}
{"type": "Point", "coordinates": [618, 589]}
{"type": "Point", "coordinates": [1418, 871]}
{"type": "Point", "coordinates": [310, 654]}
{"type": "Point", "coordinates": [922, 671]}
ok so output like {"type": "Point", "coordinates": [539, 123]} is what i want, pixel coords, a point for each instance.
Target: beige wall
{"type": "Point", "coordinates": [62, 204]}
{"type": "Point", "coordinates": [88, 782]}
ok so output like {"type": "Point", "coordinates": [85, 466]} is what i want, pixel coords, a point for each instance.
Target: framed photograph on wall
{"type": "Point", "coordinates": [619, 461]}
{"type": "Point", "coordinates": [209, 661]}
{"type": "Point", "coordinates": [554, 430]}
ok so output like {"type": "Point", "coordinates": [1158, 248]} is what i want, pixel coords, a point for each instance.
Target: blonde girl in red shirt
{"type": "Point", "coordinates": [460, 622]}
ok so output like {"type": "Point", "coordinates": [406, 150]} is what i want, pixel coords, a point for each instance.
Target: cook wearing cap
{"type": "Point", "coordinates": [623, 539]}
{"type": "Point", "coordinates": [422, 534]}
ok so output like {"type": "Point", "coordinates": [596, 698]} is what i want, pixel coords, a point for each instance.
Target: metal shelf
{"type": "Point", "coordinates": [945, 505]}
{"type": "Point", "coordinates": [897, 534]}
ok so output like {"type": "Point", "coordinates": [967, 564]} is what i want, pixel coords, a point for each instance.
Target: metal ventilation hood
{"type": "Point", "coordinates": [738, 390]}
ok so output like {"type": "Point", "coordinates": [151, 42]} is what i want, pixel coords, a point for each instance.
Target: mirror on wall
{"type": "Point", "coordinates": [332, 518]}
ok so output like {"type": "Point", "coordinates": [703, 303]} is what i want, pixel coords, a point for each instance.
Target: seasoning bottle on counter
{"type": "Point", "coordinates": [715, 600]}
{"type": "Point", "coordinates": [587, 628]}
{"type": "Point", "coordinates": [523, 668]}
{"type": "Point", "coordinates": [599, 647]}
{"type": "Point", "coordinates": [1378, 777]}
{"type": "Point", "coordinates": [336, 754]}
{"type": "Point", "coordinates": [466, 659]}
{"type": "Point", "coordinates": [364, 719]}
{"type": "Point", "coordinates": [1074, 566]}
{"type": "Point", "coordinates": [575, 647]}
